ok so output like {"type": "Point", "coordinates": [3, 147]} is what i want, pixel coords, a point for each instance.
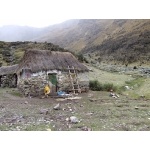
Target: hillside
{"type": "Point", "coordinates": [12, 52]}
{"type": "Point", "coordinates": [128, 43]}
{"type": "Point", "coordinates": [76, 34]}
{"type": "Point", "coordinates": [99, 40]}
{"type": "Point", "coordinates": [104, 40]}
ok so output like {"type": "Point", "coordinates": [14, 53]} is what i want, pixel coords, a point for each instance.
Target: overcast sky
{"type": "Point", "coordinates": [36, 13]}
{"type": "Point", "coordinates": [41, 13]}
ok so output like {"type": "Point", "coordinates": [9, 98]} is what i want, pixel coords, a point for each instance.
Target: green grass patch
{"type": "Point", "coordinates": [95, 85]}
{"type": "Point", "coordinates": [138, 87]}
{"type": "Point", "coordinates": [135, 83]}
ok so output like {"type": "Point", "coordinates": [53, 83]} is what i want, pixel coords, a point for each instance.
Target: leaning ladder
{"type": "Point", "coordinates": [74, 80]}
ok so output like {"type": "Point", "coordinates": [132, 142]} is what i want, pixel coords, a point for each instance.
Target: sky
{"type": "Point", "coordinates": [41, 13]}
{"type": "Point", "coordinates": [37, 13]}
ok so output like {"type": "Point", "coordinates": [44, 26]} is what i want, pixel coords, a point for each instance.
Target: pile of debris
{"type": "Point", "coordinates": [114, 95]}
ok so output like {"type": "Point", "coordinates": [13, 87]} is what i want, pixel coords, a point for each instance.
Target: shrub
{"type": "Point", "coordinates": [80, 57]}
{"type": "Point", "coordinates": [109, 86]}
{"type": "Point", "coordinates": [95, 85]}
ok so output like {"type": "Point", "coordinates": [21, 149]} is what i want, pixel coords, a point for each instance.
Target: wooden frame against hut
{"type": "Point", "coordinates": [45, 63]}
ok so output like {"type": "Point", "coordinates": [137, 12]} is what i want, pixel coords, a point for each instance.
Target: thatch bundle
{"type": "Point", "coordinates": [43, 60]}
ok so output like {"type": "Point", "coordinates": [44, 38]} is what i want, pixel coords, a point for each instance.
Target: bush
{"type": "Point", "coordinates": [95, 85]}
{"type": "Point", "coordinates": [109, 87]}
{"type": "Point", "coordinates": [80, 57]}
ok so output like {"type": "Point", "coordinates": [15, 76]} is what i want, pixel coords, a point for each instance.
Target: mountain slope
{"type": "Point", "coordinates": [126, 41]}
{"type": "Point", "coordinates": [107, 40]}
{"type": "Point", "coordinates": [75, 34]}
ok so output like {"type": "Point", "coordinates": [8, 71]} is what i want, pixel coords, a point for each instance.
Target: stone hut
{"type": "Point", "coordinates": [40, 67]}
{"type": "Point", "coordinates": [8, 76]}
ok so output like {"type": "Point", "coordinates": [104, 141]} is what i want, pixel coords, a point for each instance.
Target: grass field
{"type": "Point", "coordinates": [139, 86]}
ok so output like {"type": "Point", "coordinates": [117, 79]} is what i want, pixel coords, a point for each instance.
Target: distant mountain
{"type": "Point", "coordinates": [75, 34]}
{"type": "Point", "coordinates": [104, 39]}
{"type": "Point", "coordinates": [12, 33]}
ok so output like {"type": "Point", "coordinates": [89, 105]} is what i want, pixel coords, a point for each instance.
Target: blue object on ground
{"type": "Point", "coordinates": [60, 93]}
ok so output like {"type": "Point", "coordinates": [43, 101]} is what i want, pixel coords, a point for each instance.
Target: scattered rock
{"type": "Point", "coordinates": [57, 107]}
{"type": "Point", "coordinates": [44, 111]}
{"type": "Point", "coordinates": [117, 95]}
{"type": "Point", "coordinates": [114, 95]}
{"type": "Point", "coordinates": [67, 119]}
{"type": "Point", "coordinates": [85, 128]}
{"type": "Point", "coordinates": [74, 119]}
{"type": "Point", "coordinates": [127, 87]}
{"type": "Point", "coordinates": [26, 102]}
{"type": "Point", "coordinates": [136, 107]}
{"type": "Point", "coordinates": [92, 100]}
{"type": "Point", "coordinates": [64, 109]}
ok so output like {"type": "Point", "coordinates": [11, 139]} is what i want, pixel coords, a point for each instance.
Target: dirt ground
{"type": "Point", "coordinates": [96, 111]}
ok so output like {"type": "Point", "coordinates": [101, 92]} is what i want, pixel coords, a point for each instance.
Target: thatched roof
{"type": "Point", "coordinates": [4, 70]}
{"type": "Point", "coordinates": [42, 60]}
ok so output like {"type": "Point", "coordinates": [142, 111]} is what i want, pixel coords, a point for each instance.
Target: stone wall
{"type": "Point", "coordinates": [63, 82]}
{"type": "Point", "coordinates": [33, 86]}
{"type": "Point", "coordinates": [8, 81]}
